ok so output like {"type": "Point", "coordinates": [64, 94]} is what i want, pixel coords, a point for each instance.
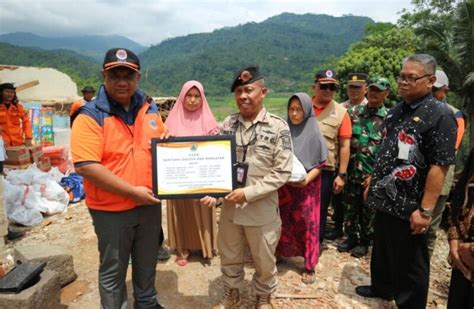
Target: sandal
{"type": "Point", "coordinates": [308, 277]}
{"type": "Point", "coordinates": [182, 259]}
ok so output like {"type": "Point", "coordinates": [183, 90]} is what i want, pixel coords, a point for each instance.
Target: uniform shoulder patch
{"type": "Point", "coordinates": [278, 119]}
{"type": "Point", "coordinates": [285, 137]}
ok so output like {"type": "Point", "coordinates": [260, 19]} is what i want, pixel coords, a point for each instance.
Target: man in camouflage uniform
{"type": "Point", "coordinates": [366, 136]}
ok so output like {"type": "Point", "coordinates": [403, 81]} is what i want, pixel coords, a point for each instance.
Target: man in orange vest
{"type": "Point", "coordinates": [110, 142]}
{"type": "Point", "coordinates": [87, 95]}
{"type": "Point", "coordinates": [15, 125]}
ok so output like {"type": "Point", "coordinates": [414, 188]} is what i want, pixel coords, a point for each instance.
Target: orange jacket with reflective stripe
{"type": "Point", "coordinates": [16, 125]}
{"type": "Point", "coordinates": [75, 106]}
{"type": "Point", "coordinates": [104, 133]}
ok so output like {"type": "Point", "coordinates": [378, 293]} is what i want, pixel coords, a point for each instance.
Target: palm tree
{"type": "Point", "coordinates": [463, 39]}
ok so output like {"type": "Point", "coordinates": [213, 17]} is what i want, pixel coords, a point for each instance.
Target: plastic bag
{"type": "Point", "coordinates": [39, 191]}
{"type": "Point", "coordinates": [298, 172]}
{"type": "Point", "coordinates": [74, 185]}
{"type": "Point", "coordinates": [16, 210]}
{"type": "Point", "coordinates": [49, 198]}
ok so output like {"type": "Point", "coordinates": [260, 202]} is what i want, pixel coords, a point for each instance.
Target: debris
{"type": "Point", "coordinates": [46, 223]}
{"type": "Point", "coordinates": [297, 296]}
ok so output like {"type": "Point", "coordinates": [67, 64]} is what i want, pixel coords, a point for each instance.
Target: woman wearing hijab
{"type": "Point", "coordinates": [190, 225]}
{"type": "Point", "coordinates": [300, 201]}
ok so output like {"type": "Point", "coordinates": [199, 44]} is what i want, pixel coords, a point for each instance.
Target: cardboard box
{"type": "Point", "coordinates": [36, 152]}
{"type": "Point", "coordinates": [16, 167]}
{"type": "Point", "coordinates": [17, 155]}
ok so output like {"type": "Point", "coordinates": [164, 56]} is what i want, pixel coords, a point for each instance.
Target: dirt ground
{"type": "Point", "coordinates": [199, 285]}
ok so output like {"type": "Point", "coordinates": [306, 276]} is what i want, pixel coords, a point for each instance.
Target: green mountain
{"type": "Point", "coordinates": [286, 47]}
{"type": "Point", "coordinates": [93, 46]}
{"type": "Point", "coordinates": [82, 69]}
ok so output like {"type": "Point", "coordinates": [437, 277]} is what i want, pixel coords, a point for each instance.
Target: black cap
{"type": "Point", "coordinates": [326, 77]}
{"type": "Point", "coordinates": [245, 76]}
{"type": "Point", "coordinates": [357, 79]}
{"type": "Point", "coordinates": [7, 86]}
{"type": "Point", "coordinates": [88, 89]}
{"type": "Point", "coordinates": [121, 57]}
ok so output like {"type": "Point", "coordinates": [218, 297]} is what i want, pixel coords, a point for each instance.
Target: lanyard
{"type": "Point", "coordinates": [250, 142]}
{"type": "Point", "coordinates": [252, 139]}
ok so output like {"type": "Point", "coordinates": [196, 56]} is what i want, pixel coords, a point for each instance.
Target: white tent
{"type": "Point", "coordinates": [53, 85]}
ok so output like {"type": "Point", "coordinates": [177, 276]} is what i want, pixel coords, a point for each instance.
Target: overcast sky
{"type": "Point", "coordinates": [151, 21]}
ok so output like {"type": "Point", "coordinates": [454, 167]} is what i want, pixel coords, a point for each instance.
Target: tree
{"type": "Point", "coordinates": [380, 53]}
{"type": "Point", "coordinates": [463, 39]}
{"type": "Point", "coordinates": [445, 29]}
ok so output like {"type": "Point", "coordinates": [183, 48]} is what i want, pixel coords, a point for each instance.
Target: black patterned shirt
{"type": "Point", "coordinates": [416, 136]}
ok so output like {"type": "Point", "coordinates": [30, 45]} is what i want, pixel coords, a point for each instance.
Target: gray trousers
{"type": "Point", "coordinates": [120, 234]}
{"type": "Point", "coordinates": [435, 222]}
{"type": "Point", "coordinates": [262, 242]}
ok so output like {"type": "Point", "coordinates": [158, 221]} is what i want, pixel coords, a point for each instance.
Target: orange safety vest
{"type": "Point", "coordinates": [100, 136]}
{"type": "Point", "coordinates": [15, 123]}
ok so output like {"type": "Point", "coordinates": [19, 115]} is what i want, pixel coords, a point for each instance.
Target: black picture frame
{"type": "Point", "coordinates": [187, 139]}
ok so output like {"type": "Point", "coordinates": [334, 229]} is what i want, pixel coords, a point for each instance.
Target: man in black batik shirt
{"type": "Point", "coordinates": [416, 151]}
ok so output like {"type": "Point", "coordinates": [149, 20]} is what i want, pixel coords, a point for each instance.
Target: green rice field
{"type": "Point", "coordinates": [223, 106]}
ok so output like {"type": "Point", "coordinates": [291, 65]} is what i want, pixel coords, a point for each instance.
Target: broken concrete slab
{"type": "Point", "coordinates": [44, 294]}
{"type": "Point", "coordinates": [58, 259]}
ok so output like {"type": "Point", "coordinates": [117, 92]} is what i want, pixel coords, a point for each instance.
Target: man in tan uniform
{"type": "Point", "coordinates": [250, 213]}
{"type": "Point", "coordinates": [356, 90]}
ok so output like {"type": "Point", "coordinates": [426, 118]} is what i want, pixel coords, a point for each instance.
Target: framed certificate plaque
{"type": "Point", "coordinates": [193, 166]}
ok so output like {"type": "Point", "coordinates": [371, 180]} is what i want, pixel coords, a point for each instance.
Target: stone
{"type": "Point", "coordinates": [57, 258]}
{"type": "Point", "coordinates": [44, 294]}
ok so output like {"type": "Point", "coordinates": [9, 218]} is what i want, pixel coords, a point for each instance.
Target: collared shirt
{"type": "Point", "coordinates": [365, 142]}
{"type": "Point", "coordinates": [347, 104]}
{"type": "Point", "coordinates": [270, 159]}
{"type": "Point", "coordinates": [105, 134]}
{"type": "Point", "coordinates": [416, 136]}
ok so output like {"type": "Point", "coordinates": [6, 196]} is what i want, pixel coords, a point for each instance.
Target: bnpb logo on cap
{"type": "Point", "coordinates": [329, 73]}
{"type": "Point", "coordinates": [121, 55]}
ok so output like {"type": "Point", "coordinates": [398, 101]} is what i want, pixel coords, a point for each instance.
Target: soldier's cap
{"type": "Point", "coordinates": [246, 75]}
{"type": "Point", "coordinates": [7, 86]}
{"type": "Point", "coordinates": [121, 57]}
{"type": "Point", "coordinates": [380, 82]}
{"type": "Point", "coordinates": [441, 79]}
{"type": "Point", "coordinates": [326, 77]}
{"type": "Point", "coordinates": [357, 79]}
{"type": "Point", "coordinates": [88, 89]}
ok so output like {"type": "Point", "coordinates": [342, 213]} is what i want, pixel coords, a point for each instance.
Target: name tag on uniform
{"type": "Point", "coordinates": [403, 151]}
{"type": "Point", "coordinates": [241, 170]}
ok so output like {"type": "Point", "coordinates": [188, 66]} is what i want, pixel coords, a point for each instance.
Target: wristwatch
{"type": "Point", "coordinates": [342, 175]}
{"type": "Point", "coordinates": [426, 212]}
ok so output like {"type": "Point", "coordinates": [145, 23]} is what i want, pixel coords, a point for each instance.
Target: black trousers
{"type": "Point", "coordinates": [120, 235]}
{"type": "Point", "coordinates": [338, 211]}
{"type": "Point", "coordinates": [327, 178]}
{"type": "Point", "coordinates": [400, 265]}
{"type": "Point", "coordinates": [461, 292]}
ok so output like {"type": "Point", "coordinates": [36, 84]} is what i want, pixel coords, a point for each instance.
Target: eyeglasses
{"type": "Point", "coordinates": [332, 87]}
{"type": "Point", "coordinates": [410, 79]}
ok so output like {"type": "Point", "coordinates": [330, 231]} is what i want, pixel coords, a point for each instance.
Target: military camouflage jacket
{"type": "Point", "coordinates": [365, 141]}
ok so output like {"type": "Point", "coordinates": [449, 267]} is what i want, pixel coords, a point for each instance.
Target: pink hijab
{"type": "Point", "coordinates": [182, 122]}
